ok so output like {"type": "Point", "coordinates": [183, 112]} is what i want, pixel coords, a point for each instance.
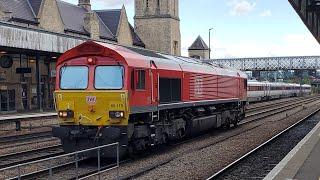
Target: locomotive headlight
{"type": "Point", "coordinates": [66, 114]}
{"type": "Point", "coordinates": [116, 114]}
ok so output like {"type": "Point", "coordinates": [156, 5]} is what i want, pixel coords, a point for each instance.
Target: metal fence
{"type": "Point", "coordinates": [76, 156]}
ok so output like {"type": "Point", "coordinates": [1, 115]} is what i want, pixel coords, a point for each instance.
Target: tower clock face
{"type": "Point", "coordinates": [6, 61]}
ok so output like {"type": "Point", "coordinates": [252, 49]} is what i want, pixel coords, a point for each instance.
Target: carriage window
{"type": "Point", "coordinates": [74, 77]}
{"type": "Point", "coordinates": [108, 77]}
{"type": "Point", "coordinates": [141, 79]}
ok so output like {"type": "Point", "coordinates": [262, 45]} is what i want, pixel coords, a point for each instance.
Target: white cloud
{"type": "Point", "coordinates": [240, 7]}
{"type": "Point", "coordinates": [266, 13]}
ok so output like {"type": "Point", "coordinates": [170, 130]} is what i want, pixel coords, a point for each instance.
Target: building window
{"type": "Point", "coordinates": [147, 3]}
{"type": "Point", "coordinates": [196, 57]}
{"type": "Point", "coordinates": [141, 79]}
{"type": "Point", "coordinates": [175, 47]}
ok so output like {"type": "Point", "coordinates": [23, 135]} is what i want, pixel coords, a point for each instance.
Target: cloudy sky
{"type": "Point", "coordinates": [242, 28]}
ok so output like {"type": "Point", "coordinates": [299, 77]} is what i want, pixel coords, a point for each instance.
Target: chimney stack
{"type": "Point", "coordinates": [8, 15]}
{"type": "Point", "coordinates": [85, 4]}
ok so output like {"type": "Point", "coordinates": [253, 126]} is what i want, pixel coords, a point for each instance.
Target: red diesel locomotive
{"type": "Point", "coordinates": [109, 93]}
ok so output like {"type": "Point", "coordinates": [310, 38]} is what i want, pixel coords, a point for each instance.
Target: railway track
{"type": "Point", "coordinates": [29, 155]}
{"type": "Point", "coordinates": [260, 106]}
{"type": "Point", "coordinates": [5, 140]}
{"type": "Point", "coordinates": [220, 174]}
{"type": "Point", "coordinates": [276, 109]}
{"type": "Point", "coordinates": [89, 170]}
{"type": "Point", "coordinates": [150, 168]}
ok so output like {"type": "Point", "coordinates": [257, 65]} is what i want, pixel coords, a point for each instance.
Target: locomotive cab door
{"type": "Point", "coordinates": [154, 75]}
{"type": "Point", "coordinates": [154, 78]}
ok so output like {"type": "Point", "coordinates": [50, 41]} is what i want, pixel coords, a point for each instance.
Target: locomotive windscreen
{"type": "Point", "coordinates": [170, 90]}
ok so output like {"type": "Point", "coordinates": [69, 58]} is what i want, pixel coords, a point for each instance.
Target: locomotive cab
{"type": "Point", "coordinates": [91, 100]}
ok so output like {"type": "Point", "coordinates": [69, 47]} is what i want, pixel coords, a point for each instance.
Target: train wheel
{"type": "Point", "coordinates": [228, 124]}
{"type": "Point", "coordinates": [165, 139]}
{"type": "Point", "coordinates": [235, 124]}
{"type": "Point", "coordinates": [180, 134]}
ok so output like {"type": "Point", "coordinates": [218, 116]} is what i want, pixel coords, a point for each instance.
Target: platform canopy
{"type": "Point", "coordinates": [309, 12]}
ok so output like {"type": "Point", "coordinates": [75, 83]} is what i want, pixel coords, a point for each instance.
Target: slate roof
{"type": "Point", "coordinates": [72, 17]}
{"type": "Point", "coordinates": [111, 23]}
{"type": "Point", "coordinates": [21, 10]}
{"type": "Point", "coordinates": [199, 44]}
{"type": "Point", "coordinates": [111, 18]}
{"type": "Point", "coordinates": [136, 39]}
{"type": "Point", "coordinates": [35, 5]}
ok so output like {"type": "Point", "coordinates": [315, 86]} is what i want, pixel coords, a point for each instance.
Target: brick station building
{"type": "Point", "coordinates": [34, 33]}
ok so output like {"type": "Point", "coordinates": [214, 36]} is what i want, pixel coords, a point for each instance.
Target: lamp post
{"type": "Point", "coordinates": [210, 43]}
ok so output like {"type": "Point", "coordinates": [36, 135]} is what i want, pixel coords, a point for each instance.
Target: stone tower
{"type": "Point", "coordinates": [199, 49]}
{"type": "Point", "coordinates": [86, 4]}
{"type": "Point", "coordinates": [158, 25]}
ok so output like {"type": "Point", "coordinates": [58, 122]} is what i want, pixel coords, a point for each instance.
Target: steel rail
{"type": "Point", "coordinates": [262, 145]}
{"type": "Point", "coordinates": [261, 105]}
{"type": "Point", "coordinates": [135, 175]}
{"type": "Point", "coordinates": [43, 151]}
{"type": "Point", "coordinates": [284, 106]}
{"type": "Point", "coordinates": [24, 137]}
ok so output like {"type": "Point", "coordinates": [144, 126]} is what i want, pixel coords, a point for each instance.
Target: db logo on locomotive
{"type": "Point", "coordinates": [91, 100]}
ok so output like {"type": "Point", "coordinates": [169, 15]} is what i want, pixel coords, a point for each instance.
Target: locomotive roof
{"type": "Point", "coordinates": [141, 58]}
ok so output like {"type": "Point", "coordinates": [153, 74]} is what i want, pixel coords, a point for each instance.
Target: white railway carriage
{"type": "Point", "coordinates": [260, 91]}
{"type": "Point", "coordinates": [306, 89]}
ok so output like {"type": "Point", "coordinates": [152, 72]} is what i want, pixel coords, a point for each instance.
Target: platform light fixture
{"type": "Point", "coordinates": [210, 42]}
{"type": "Point", "coordinates": [3, 52]}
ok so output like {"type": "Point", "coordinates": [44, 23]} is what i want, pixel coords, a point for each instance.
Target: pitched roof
{"type": "Point", "coordinates": [111, 23]}
{"type": "Point", "coordinates": [199, 44]}
{"type": "Point", "coordinates": [21, 10]}
{"type": "Point", "coordinates": [135, 38]}
{"type": "Point", "coordinates": [35, 5]}
{"type": "Point", "coordinates": [72, 17]}
{"type": "Point", "coordinates": [111, 18]}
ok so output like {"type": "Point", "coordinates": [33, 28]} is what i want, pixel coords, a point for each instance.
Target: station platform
{"type": "Point", "coordinates": [302, 162]}
{"type": "Point", "coordinates": [27, 115]}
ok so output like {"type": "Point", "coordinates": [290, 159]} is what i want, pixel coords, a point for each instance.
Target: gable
{"type": "Point", "coordinates": [49, 16]}
{"type": "Point", "coordinates": [21, 11]}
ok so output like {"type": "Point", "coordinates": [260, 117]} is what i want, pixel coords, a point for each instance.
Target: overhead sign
{"type": "Point", "coordinates": [23, 70]}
